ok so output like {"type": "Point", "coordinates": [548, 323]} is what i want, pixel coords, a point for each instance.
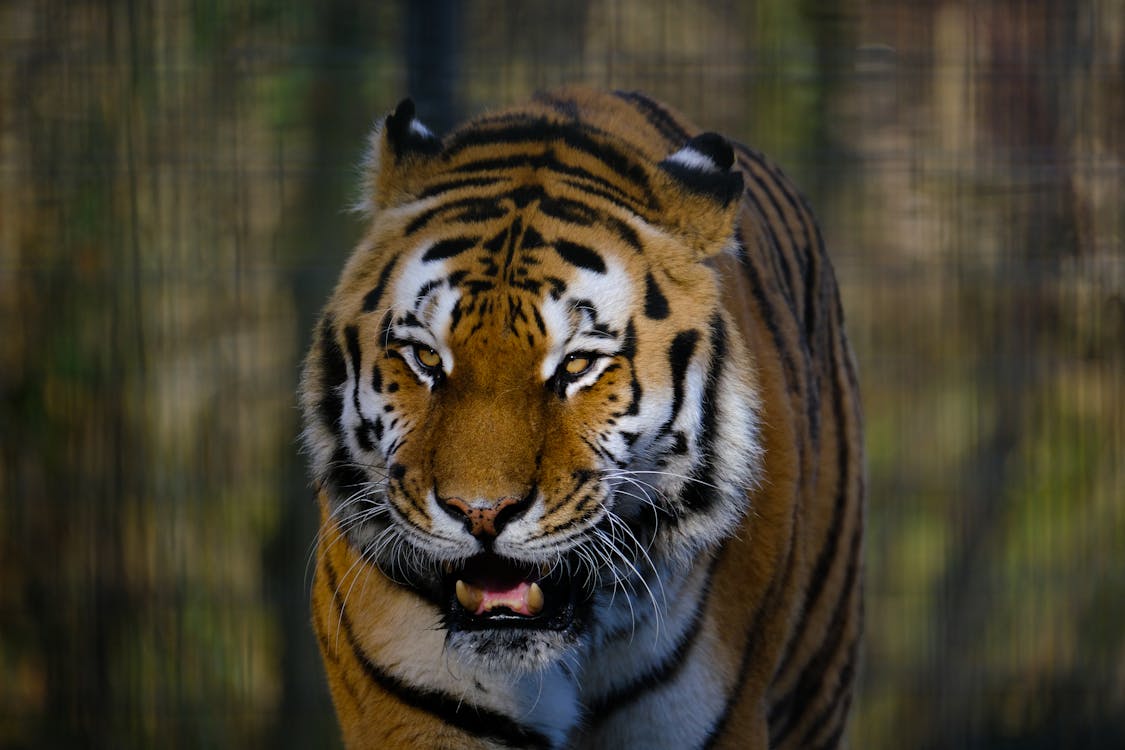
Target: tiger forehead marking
{"type": "Point", "coordinates": [582, 421]}
{"type": "Point", "coordinates": [508, 277]}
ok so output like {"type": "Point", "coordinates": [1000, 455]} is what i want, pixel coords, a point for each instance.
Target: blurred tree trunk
{"type": "Point", "coordinates": [433, 33]}
{"type": "Point", "coordinates": [77, 462]}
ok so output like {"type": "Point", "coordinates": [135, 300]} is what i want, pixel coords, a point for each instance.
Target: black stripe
{"type": "Point", "coordinates": [343, 476]}
{"type": "Point", "coordinates": [524, 195]}
{"type": "Point", "coordinates": [442, 187]}
{"type": "Point", "coordinates": [568, 108]}
{"type": "Point", "coordinates": [482, 211]}
{"type": "Point", "coordinates": [572, 212]}
{"type": "Point", "coordinates": [363, 434]}
{"type": "Point", "coordinates": [769, 317]}
{"type": "Point", "coordinates": [714, 376]}
{"type": "Point", "coordinates": [789, 709]}
{"type": "Point", "coordinates": [424, 290]}
{"type": "Point", "coordinates": [532, 239]}
{"type": "Point", "coordinates": [330, 652]}
{"type": "Point", "coordinates": [680, 352]}
{"type": "Point", "coordinates": [473, 210]}
{"type": "Point", "coordinates": [376, 378]}
{"type": "Point", "coordinates": [752, 640]}
{"type": "Point", "coordinates": [701, 495]}
{"type": "Point", "coordinates": [837, 705]}
{"type": "Point", "coordinates": [333, 374]}
{"type": "Point", "coordinates": [628, 353]}
{"type": "Point", "coordinates": [656, 115]}
{"type": "Point", "coordinates": [547, 161]}
{"type": "Point", "coordinates": [583, 479]}
{"type": "Point", "coordinates": [514, 237]}
{"type": "Point", "coordinates": [580, 255]}
{"type": "Point", "coordinates": [444, 249]}
{"type": "Point", "coordinates": [542, 131]}
{"type": "Point", "coordinates": [800, 250]}
{"type": "Point", "coordinates": [469, 206]}
{"type": "Point", "coordinates": [400, 579]}
{"type": "Point", "coordinates": [814, 298]}
{"type": "Point", "coordinates": [821, 569]}
{"type": "Point", "coordinates": [539, 322]}
{"type": "Point", "coordinates": [833, 740]}
{"type": "Point", "coordinates": [659, 674]}
{"type": "Point", "coordinates": [656, 304]}
{"type": "Point", "coordinates": [801, 211]}
{"type": "Point", "coordinates": [372, 298]}
{"type": "Point", "coordinates": [780, 184]}
{"type": "Point", "coordinates": [624, 231]}
{"type": "Point", "coordinates": [818, 327]}
{"type": "Point", "coordinates": [453, 710]}
{"type": "Point", "coordinates": [364, 429]}
{"type": "Point", "coordinates": [783, 272]}
{"type": "Point", "coordinates": [770, 182]}
{"type": "Point", "coordinates": [351, 337]}
{"type": "Point", "coordinates": [495, 244]}
{"type": "Point", "coordinates": [592, 186]}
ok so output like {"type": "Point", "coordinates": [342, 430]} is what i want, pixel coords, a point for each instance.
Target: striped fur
{"type": "Point", "coordinates": [591, 363]}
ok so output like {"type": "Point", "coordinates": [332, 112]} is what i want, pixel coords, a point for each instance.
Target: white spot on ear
{"type": "Point", "coordinates": [695, 160]}
{"type": "Point", "coordinates": [417, 128]}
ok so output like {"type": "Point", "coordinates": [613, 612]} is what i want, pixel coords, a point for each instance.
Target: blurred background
{"type": "Point", "coordinates": [173, 183]}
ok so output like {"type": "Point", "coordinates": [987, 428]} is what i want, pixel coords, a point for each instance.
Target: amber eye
{"type": "Point", "coordinates": [426, 357]}
{"type": "Point", "coordinates": [578, 363]}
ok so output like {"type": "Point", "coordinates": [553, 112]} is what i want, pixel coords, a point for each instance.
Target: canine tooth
{"type": "Point", "coordinates": [534, 599]}
{"type": "Point", "coordinates": [469, 596]}
{"type": "Point", "coordinates": [447, 567]}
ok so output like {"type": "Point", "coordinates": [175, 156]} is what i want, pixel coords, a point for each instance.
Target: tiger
{"type": "Point", "coordinates": [585, 436]}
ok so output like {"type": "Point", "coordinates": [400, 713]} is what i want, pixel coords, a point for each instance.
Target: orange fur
{"type": "Point", "coordinates": [734, 317]}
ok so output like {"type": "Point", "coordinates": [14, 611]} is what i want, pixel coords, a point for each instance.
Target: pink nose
{"type": "Point", "coordinates": [483, 517]}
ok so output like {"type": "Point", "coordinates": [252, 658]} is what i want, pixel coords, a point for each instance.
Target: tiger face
{"type": "Point", "coordinates": [525, 403]}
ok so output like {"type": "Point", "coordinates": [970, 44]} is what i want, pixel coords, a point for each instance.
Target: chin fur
{"type": "Point", "coordinates": [515, 652]}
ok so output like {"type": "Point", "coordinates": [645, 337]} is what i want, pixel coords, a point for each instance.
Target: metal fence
{"type": "Point", "coordinates": [173, 179]}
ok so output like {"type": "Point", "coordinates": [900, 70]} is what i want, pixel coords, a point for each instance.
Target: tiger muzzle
{"type": "Point", "coordinates": [485, 519]}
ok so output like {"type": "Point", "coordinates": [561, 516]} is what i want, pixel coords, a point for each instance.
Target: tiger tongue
{"type": "Point", "coordinates": [523, 598]}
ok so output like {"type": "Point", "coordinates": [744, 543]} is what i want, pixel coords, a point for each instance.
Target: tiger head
{"type": "Point", "coordinates": [525, 401]}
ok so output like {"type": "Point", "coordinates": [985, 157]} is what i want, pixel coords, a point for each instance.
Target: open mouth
{"type": "Point", "coordinates": [491, 592]}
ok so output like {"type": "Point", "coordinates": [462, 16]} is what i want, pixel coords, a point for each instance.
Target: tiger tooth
{"type": "Point", "coordinates": [470, 597]}
{"type": "Point", "coordinates": [534, 599]}
{"type": "Point", "coordinates": [447, 567]}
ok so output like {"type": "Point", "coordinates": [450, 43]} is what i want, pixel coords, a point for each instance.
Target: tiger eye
{"type": "Point", "coordinates": [577, 364]}
{"type": "Point", "coordinates": [427, 357]}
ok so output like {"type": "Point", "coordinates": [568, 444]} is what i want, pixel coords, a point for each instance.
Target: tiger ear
{"type": "Point", "coordinates": [402, 152]}
{"type": "Point", "coordinates": [701, 191]}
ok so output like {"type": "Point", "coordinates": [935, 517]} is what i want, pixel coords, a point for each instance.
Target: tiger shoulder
{"type": "Point", "coordinates": [586, 438]}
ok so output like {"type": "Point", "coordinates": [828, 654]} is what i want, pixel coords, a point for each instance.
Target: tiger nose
{"type": "Point", "coordinates": [485, 519]}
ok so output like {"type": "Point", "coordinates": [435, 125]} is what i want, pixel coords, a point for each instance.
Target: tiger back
{"type": "Point", "coordinates": [585, 433]}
